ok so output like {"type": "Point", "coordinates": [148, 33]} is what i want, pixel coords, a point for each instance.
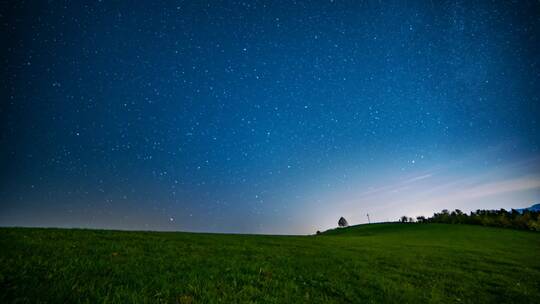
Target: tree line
{"type": "Point", "coordinates": [526, 219]}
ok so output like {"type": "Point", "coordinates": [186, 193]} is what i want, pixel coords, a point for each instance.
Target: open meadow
{"type": "Point", "coordinates": [378, 263]}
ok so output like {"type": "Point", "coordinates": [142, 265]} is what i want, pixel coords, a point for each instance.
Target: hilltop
{"type": "Point", "coordinates": [535, 208]}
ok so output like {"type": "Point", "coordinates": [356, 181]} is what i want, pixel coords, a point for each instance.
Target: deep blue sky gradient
{"type": "Point", "coordinates": [265, 117]}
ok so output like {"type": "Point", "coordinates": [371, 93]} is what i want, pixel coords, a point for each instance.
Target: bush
{"type": "Point", "coordinates": [527, 220]}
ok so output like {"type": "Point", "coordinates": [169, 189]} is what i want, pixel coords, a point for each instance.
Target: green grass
{"type": "Point", "coordinates": [379, 263]}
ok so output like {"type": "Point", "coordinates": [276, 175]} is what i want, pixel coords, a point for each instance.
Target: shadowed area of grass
{"type": "Point", "coordinates": [393, 263]}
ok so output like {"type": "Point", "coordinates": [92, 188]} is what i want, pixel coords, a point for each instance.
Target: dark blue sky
{"type": "Point", "coordinates": [265, 117]}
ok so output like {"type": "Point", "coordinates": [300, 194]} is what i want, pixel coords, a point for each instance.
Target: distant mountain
{"type": "Point", "coordinates": [535, 207]}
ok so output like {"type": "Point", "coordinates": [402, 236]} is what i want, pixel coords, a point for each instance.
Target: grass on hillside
{"type": "Point", "coordinates": [392, 263]}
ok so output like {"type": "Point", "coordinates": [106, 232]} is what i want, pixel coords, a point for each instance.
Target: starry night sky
{"type": "Point", "coordinates": [265, 117]}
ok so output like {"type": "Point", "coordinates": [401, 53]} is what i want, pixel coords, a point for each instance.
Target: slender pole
{"type": "Point", "coordinates": [368, 219]}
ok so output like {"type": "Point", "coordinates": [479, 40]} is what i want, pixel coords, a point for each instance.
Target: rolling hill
{"type": "Point", "coordinates": [535, 207]}
{"type": "Point", "coordinates": [378, 263]}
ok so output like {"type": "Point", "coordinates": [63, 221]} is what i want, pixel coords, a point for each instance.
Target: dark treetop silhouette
{"type": "Point", "coordinates": [343, 222]}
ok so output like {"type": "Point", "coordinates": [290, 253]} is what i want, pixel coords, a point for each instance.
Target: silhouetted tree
{"type": "Point", "coordinates": [342, 222]}
{"type": "Point", "coordinates": [421, 219]}
{"type": "Point", "coordinates": [404, 219]}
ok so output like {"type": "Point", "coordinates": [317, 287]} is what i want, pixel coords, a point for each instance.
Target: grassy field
{"type": "Point", "coordinates": [392, 263]}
